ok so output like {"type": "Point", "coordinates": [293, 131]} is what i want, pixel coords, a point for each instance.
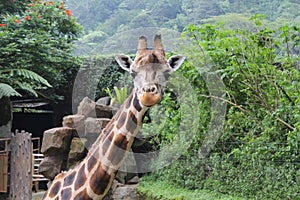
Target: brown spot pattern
{"type": "Point", "coordinates": [118, 113]}
{"type": "Point", "coordinates": [99, 181]}
{"type": "Point", "coordinates": [107, 142]}
{"type": "Point", "coordinates": [131, 123]}
{"type": "Point", "coordinates": [82, 196]}
{"type": "Point", "coordinates": [66, 194]}
{"type": "Point", "coordinates": [118, 149]}
{"type": "Point", "coordinates": [55, 189]}
{"type": "Point", "coordinates": [81, 178]}
{"type": "Point", "coordinates": [121, 120]}
{"type": "Point", "coordinates": [109, 127]}
{"type": "Point", "coordinates": [69, 179]}
{"type": "Point", "coordinates": [128, 101]}
{"type": "Point", "coordinates": [93, 160]}
{"type": "Point", "coordinates": [137, 104]}
{"type": "Point", "coordinates": [121, 141]}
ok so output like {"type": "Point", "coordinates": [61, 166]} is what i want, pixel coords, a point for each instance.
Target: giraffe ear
{"type": "Point", "coordinates": [175, 62]}
{"type": "Point", "coordinates": [124, 61]}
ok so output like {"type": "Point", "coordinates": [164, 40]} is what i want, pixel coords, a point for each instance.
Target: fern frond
{"type": "Point", "coordinates": [31, 75]}
{"type": "Point", "coordinates": [7, 91]}
{"type": "Point", "coordinates": [109, 93]}
{"type": "Point", "coordinates": [27, 87]}
{"type": "Point", "coordinates": [121, 94]}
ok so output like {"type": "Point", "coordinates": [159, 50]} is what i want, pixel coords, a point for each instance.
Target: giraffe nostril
{"type": "Point", "coordinates": [153, 89]}
{"type": "Point", "coordinates": [150, 89]}
{"type": "Point", "coordinates": [145, 89]}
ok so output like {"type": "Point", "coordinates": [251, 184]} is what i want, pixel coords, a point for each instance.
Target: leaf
{"type": "Point", "coordinates": [27, 87]}
{"type": "Point", "coordinates": [26, 74]}
{"type": "Point", "coordinates": [7, 91]}
{"type": "Point", "coordinates": [121, 94]}
{"type": "Point", "coordinates": [31, 75]}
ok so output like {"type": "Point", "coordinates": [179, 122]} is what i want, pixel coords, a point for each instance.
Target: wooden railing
{"type": "Point", "coordinates": [37, 158]}
{"type": "Point", "coordinates": [4, 142]}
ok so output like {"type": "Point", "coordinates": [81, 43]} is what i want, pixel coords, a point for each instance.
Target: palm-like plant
{"type": "Point", "coordinates": [13, 79]}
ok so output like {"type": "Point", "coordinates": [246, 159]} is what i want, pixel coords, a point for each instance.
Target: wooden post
{"type": "Point", "coordinates": [21, 167]}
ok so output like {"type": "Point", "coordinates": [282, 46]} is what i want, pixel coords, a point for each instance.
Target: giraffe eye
{"type": "Point", "coordinates": [167, 74]}
{"type": "Point", "coordinates": [133, 73]}
{"type": "Point", "coordinates": [160, 78]}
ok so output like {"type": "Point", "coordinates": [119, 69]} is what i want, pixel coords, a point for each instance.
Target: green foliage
{"type": "Point", "coordinates": [257, 155]}
{"type": "Point", "coordinates": [109, 76]}
{"type": "Point", "coordinates": [167, 120]}
{"type": "Point", "coordinates": [142, 20]}
{"type": "Point", "coordinates": [119, 96]}
{"type": "Point", "coordinates": [22, 79]}
{"type": "Point", "coordinates": [233, 21]}
{"type": "Point", "coordinates": [13, 6]}
{"type": "Point", "coordinates": [152, 189]}
{"type": "Point", "coordinates": [37, 39]}
{"type": "Point", "coordinates": [98, 74]}
{"type": "Point", "coordinates": [7, 91]}
{"type": "Point", "coordinates": [121, 16]}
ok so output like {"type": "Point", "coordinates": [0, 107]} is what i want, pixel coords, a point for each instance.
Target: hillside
{"type": "Point", "coordinates": [107, 22]}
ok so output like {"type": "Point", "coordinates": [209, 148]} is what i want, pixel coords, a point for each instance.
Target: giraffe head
{"type": "Point", "coordinates": [150, 70]}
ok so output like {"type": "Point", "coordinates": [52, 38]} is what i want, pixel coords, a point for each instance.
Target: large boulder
{"type": "Point", "coordinates": [126, 192]}
{"type": "Point", "coordinates": [77, 152]}
{"type": "Point", "coordinates": [52, 165]}
{"type": "Point", "coordinates": [75, 122]}
{"type": "Point", "coordinates": [87, 107]}
{"type": "Point", "coordinates": [93, 128]}
{"type": "Point", "coordinates": [103, 111]}
{"type": "Point", "coordinates": [105, 101]}
{"type": "Point", "coordinates": [95, 125]}
{"type": "Point", "coordinates": [57, 141]}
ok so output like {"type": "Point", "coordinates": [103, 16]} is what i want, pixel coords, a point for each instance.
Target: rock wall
{"type": "Point", "coordinates": [64, 147]}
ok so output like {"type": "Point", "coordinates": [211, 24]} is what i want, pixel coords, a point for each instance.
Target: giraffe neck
{"type": "Point", "coordinates": [92, 178]}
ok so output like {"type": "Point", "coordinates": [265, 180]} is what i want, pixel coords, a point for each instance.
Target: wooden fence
{"type": "Point", "coordinates": [4, 164]}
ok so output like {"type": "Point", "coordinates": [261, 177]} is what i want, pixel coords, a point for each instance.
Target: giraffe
{"type": "Point", "coordinates": [92, 178]}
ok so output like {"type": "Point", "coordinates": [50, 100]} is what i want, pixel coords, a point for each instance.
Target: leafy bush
{"type": "Point", "coordinates": [37, 36]}
{"type": "Point", "coordinates": [257, 155]}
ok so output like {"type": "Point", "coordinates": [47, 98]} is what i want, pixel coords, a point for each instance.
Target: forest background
{"type": "Point", "coordinates": [103, 19]}
{"type": "Point", "coordinates": [252, 46]}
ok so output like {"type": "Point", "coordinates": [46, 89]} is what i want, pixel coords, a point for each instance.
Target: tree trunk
{"type": "Point", "coordinates": [21, 167]}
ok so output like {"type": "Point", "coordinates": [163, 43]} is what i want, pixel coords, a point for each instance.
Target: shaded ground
{"type": "Point", "coordinates": [38, 195]}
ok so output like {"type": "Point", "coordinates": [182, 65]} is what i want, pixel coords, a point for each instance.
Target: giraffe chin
{"type": "Point", "coordinates": [149, 99]}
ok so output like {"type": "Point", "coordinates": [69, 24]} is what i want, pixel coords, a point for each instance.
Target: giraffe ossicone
{"type": "Point", "coordinates": [92, 178]}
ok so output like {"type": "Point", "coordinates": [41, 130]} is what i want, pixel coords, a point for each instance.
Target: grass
{"type": "Point", "coordinates": [160, 190]}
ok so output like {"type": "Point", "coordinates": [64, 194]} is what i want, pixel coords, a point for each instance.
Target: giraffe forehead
{"type": "Point", "coordinates": [147, 57]}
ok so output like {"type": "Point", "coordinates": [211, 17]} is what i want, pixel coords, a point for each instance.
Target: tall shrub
{"type": "Point", "coordinates": [257, 155]}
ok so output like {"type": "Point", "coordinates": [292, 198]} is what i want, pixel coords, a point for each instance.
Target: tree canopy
{"type": "Point", "coordinates": [36, 41]}
{"type": "Point", "coordinates": [109, 18]}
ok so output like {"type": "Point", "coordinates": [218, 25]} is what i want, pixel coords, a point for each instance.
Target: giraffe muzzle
{"type": "Point", "coordinates": [149, 95]}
